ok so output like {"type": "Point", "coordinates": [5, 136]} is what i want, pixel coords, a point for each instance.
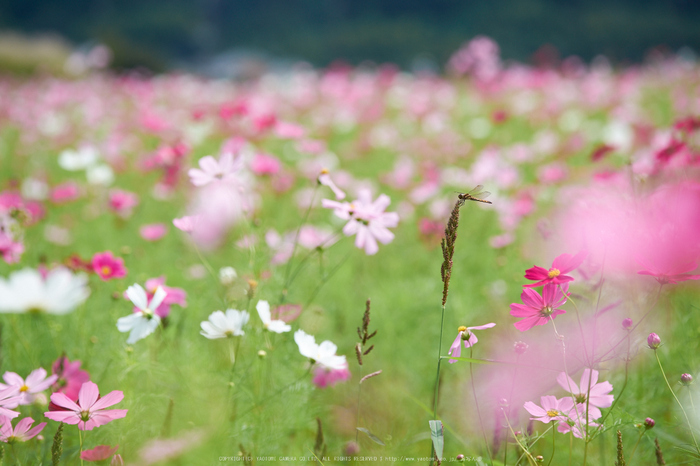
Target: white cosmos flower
{"type": "Point", "coordinates": [277, 326]}
{"type": "Point", "coordinates": [222, 325]}
{"type": "Point", "coordinates": [144, 321]}
{"type": "Point", "coordinates": [81, 159]}
{"type": "Point", "coordinates": [59, 293]}
{"type": "Point", "coordinates": [323, 354]}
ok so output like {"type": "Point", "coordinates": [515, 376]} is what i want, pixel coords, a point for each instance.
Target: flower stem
{"type": "Point", "coordinates": [437, 379]}
{"type": "Point", "coordinates": [629, 459]}
{"type": "Point", "coordinates": [80, 436]}
{"type": "Point", "coordinates": [359, 394]}
{"type": "Point", "coordinates": [530, 459]}
{"type": "Point", "coordinates": [554, 437]}
{"type": "Point", "coordinates": [695, 442]}
{"type": "Point", "coordinates": [296, 238]}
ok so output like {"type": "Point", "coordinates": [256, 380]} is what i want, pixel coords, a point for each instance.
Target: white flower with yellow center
{"type": "Point", "coordinates": [144, 321]}
{"type": "Point", "coordinates": [277, 326]}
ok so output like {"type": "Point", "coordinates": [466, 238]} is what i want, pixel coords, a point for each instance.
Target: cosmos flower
{"type": "Point", "coordinates": [122, 202]}
{"type": "Point", "coordinates": [211, 170]}
{"type": "Point", "coordinates": [562, 265]}
{"type": "Point", "coordinates": [465, 335]}
{"type": "Point", "coordinates": [589, 391]}
{"type": "Point", "coordinates": [21, 432]}
{"type": "Point", "coordinates": [539, 309]}
{"type": "Point", "coordinates": [552, 409]}
{"type": "Point", "coordinates": [366, 219]}
{"type": "Point", "coordinates": [227, 325]}
{"type": "Point", "coordinates": [31, 388]}
{"type": "Point", "coordinates": [70, 377]}
{"type": "Point", "coordinates": [99, 453]}
{"type": "Point", "coordinates": [107, 267]}
{"type": "Point", "coordinates": [323, 354]}
{"type": "Point", "coordinates": [277, 326]}
{"type": "Point", "coordinates": [144, 321]}
{"type": "Point", "coordinates": [59, 292]}
{"type": "Point", "coordinates": [89, 412]}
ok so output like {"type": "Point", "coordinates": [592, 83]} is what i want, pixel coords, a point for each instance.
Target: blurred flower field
{"type": "Point", "coordinates": [197, 271]}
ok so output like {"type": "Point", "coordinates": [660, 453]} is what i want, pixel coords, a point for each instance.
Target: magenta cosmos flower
{"type": "Point", "coordinates": [90, 410]}
{"type": "Point", "coordinates": [552, 409]}
{"type": "Point", "coordinates": [539, 309]}
{"type": "Point", "coordinates": [99, 453]}
{"type": "Point", "coordinates": [70, 377]}
{"type": "Point", "coordinates": [598, 395]}
{"type": "Point", "coordinates": [366, 219]}
{"type": "Point", "coordinates": [557, 273]}
{"type": "Point", "coordinates": [22, 431]}
{"type": "Point", "coordinates": [107, 267]}
{"type": "Point", "coordinates": [465, 335]}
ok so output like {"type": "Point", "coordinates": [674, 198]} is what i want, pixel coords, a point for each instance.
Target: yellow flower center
{"type": "Point", "coordinates": [324, 171]}
{"type": "Point", "coordinates": [552, 413]}
{"type": "Point", "coordinates": [553, 273]}
{"type": "Point", "coordinates": [461, 328]}
{"type": "Point", "coordinates": [23, 388]}
{"type": "Point", "coordinates": [106, 270]}
{"type": "Point", "coordinates": [85, 416]}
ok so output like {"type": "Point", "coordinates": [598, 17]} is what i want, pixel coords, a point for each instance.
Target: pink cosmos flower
{"type": "Point", "coordinates": [552, 409]}
{"type": "Point", "coordinates": [22, 431]}
{"type": "Point", "coordinates": [265, 164]}
{"type": "Point", "coordinates": [539, 309]}
{"type": "Point", "coordinates": [562, 265]}
{"type": "Point", "coordinates": [70, 377]}
{"type": "Point", "coordinates": [285, 130]}
{"type": "Point", "coordinates": [30, 388]}
{"type": "Point", "coordinates": [366, 219]}
{"type": "Point", "coordinates": [153, 231]}
{"type": "Point", "coordinates": [10, 249]}
{"type": "Point", "coordinates": [9, 399]}
{"type": "Point", "coordinates": [465, 335]}
{"type": "Point", "coordinates": [174, 296]}
{"type": "Point", "coordinates": [108, 267]}
{"type": "Point", "coordinates": [324, 377]}
{"type": "Point", "coordinates": [598, 395]}
{"type": "Point", "coordinates": [65, 192]}
{"type": "Point", "coordinates": [122, 202]}
{"type": "Point", "coordinates": [99, 453]}
{"type": "Point", "coordinates": [89, 412]}
{"type": "Point", "coordinates": [212, 170]}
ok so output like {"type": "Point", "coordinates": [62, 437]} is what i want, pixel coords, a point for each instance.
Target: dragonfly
{"type": "Point", "coordinates": [477, 194]}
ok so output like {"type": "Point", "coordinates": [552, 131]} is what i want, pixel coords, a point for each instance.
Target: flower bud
{"type": "Point", "coordinates": [627, 323]}
{"type": "Point", "coordinates": [654, 341]}
{"type": "Point", "coordinates": [539, 459]}
{"type": "Point", "coordinates": [686, 379]}
{"type": "Point", "coordinates": [352, 449]}
{"type": "Point", "coordinates": [460, 457]}
{"type": "Point", "coordinates": [649, 423]}
{"type": "Point", "coordinates": [520, 347]}
{"type": "Point", "coordinates": [262, 354]}
{"type": "Point", "coordinates": [227, 275]}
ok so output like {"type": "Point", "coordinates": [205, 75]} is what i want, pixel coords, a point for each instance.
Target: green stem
{"type": "Point", "coordinates": [656, 353]}
{"type": "Point", "coordinates": [476, 402]}
{"type": "Point", "coordinates": [624, 384]}
{"type": "Point", "coordinates": [554, 437]}
{"type": "Point", "coordinates": [359, 394]}
{"type": "Point", "coordinates": [437, 379]}
{"type": "Point", "coordinates": [80, 436]}
{"type": "Point", "coordinates": [325, 279]}
{"type": "Point", "coordinates": [296, 238]}
{"type": "Point", "coordinates": [629, 460]}
{"type": "Point", "coordinates": [530, 459]}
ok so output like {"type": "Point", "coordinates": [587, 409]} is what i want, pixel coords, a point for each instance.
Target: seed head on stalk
{"type": "Point", "coordinates": [448, 248]}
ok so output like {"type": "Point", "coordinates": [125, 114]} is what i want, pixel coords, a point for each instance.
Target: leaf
{"type": "Point", "coordinates": [373, 437]}
{"type": "Point", "coordinates": [437, 435]}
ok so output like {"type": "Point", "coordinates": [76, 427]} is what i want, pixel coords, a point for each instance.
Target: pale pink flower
{"type": "Point", "coordinates": [9, 399]}
{"type": "Point", "coordinates": [366, 219]}
{"type": "Point", "coordinates": [539, 309]}
{"type": "Point", "coordinates": [325, 179]}
{"type": "Point", "coordinates": [122, 202]}
{"type": "Point", "coordinates": [89, 412]}
{"type": "Point", "coordinates": [108, 267]}
{"type": "Point", "coordinates": [465, 335]}
{"type": "Point", "coordinates": [186, 223]}
{"type": "Point", "coordinates": [598, 394]}
{"type": "Point", "coordinates": [265, 164]}
{"type": "Point", "coordinates": [552, 173]}
{"type": "Point", "coordinates": [10, 249]}
{"type": "Point", "coordinates": [552, 409]}
{"type": "Point", "coordinates": [22, 431]}
{"type": "Point", "coordinates": [562, 265]}
{"type": "Point", "coordinates": [211, 170]}
{"type": "Point", "coordinates": [31, 388]}
{"type": "Point", "coordinates": [153, 231]}
{"type": "Point", "coordinates": [99, 453]}
{"type": "Point", "coordinates": [285, 130]}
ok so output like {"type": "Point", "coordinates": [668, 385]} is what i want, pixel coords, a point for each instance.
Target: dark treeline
{"type": "Point", "coordinates": [157, 32]}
